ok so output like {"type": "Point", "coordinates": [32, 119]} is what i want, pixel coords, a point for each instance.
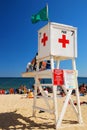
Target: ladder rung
{"type": "Point", "coordinates": [49, 111]}
{"type": "Point", "coordinates": [49, 98]}
{"type": "Point", "coordinates": [49, 85]}
{"type": "Point", "coordinates": [46, 84]}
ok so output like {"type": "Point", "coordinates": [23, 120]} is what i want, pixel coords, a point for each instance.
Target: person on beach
{"type": "Point", "coordinates": [45, 91]}
{"type": "Point", "coordinates": [82, 89]}
{"type": "Point", "coordinates": [30, 94]}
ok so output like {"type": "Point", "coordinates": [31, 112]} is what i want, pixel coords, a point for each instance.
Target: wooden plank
{"type": "Point", "coordinates": [41, 74]}
{"type": "Point", "coordinates": [43, 109]}
{"type": "Point", "coordinates": [29, 74]}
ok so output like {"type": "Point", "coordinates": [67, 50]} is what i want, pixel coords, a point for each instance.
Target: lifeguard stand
{"type": "Point", "coordinates": [57, 42]}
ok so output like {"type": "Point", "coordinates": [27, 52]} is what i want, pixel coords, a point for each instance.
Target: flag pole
{"type": "Point", "coordinates": [47, 12]}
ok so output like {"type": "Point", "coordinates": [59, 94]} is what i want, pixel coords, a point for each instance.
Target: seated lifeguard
{"type": "Point", "coordinates": [34, 63]}
{"type": "Point", "coordinates": [45, 65]}
{"type": "Point", "coordinates": [29, 67]}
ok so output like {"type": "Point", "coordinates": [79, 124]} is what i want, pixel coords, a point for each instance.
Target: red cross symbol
{"type": "Point", "coordinates": [64, 41]}
{"type": "Point", "coordinates": [44, 39]}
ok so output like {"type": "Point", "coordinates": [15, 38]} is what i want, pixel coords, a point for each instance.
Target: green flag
{"type": "Point", "coordinates": [40, 16]}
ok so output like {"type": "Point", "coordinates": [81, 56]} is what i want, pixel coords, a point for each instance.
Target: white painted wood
{"type": "Point", "coordinates": [64, 109]}
{"type": "Point", "coordinates": [77, 94]}
{"type": "Point", "coordinates": [58, 63]}
{"type": "Point", "coordinates": [71, 101]}
{"type": "Point", "coordinates": [35, 94]}
{"type": "Point", "coordinates": [54, 94]}
{"type": "Point", "coordinates": [58, 118]}
{"type": "Point", "coordinates": [41, 74]}
{"type": "Point", "coordinates": [53, 50]}
{"type": "Point", "coordinates": [52, 32]}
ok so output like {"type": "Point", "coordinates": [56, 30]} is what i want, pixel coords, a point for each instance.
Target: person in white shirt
{"type": "Point", "coordinates": [29, 67]}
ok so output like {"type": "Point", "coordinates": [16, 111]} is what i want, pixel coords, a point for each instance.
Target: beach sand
{"type": "Point", "coordinates": [16, 114]}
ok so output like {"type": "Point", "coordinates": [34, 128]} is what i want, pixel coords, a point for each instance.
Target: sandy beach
{"type": "Point", "coordinates": [16, 114]}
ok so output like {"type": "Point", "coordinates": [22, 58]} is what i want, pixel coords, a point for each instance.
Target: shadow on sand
{"type": "Point", "coordinates": [15, 121]}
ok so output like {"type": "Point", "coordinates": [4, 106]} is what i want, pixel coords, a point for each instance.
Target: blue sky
{"type": "Point", "coordinates": [18, 36]}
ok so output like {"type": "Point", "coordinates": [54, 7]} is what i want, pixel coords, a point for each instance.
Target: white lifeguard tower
{"type": "Point", "coordinates": [57, 42]}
